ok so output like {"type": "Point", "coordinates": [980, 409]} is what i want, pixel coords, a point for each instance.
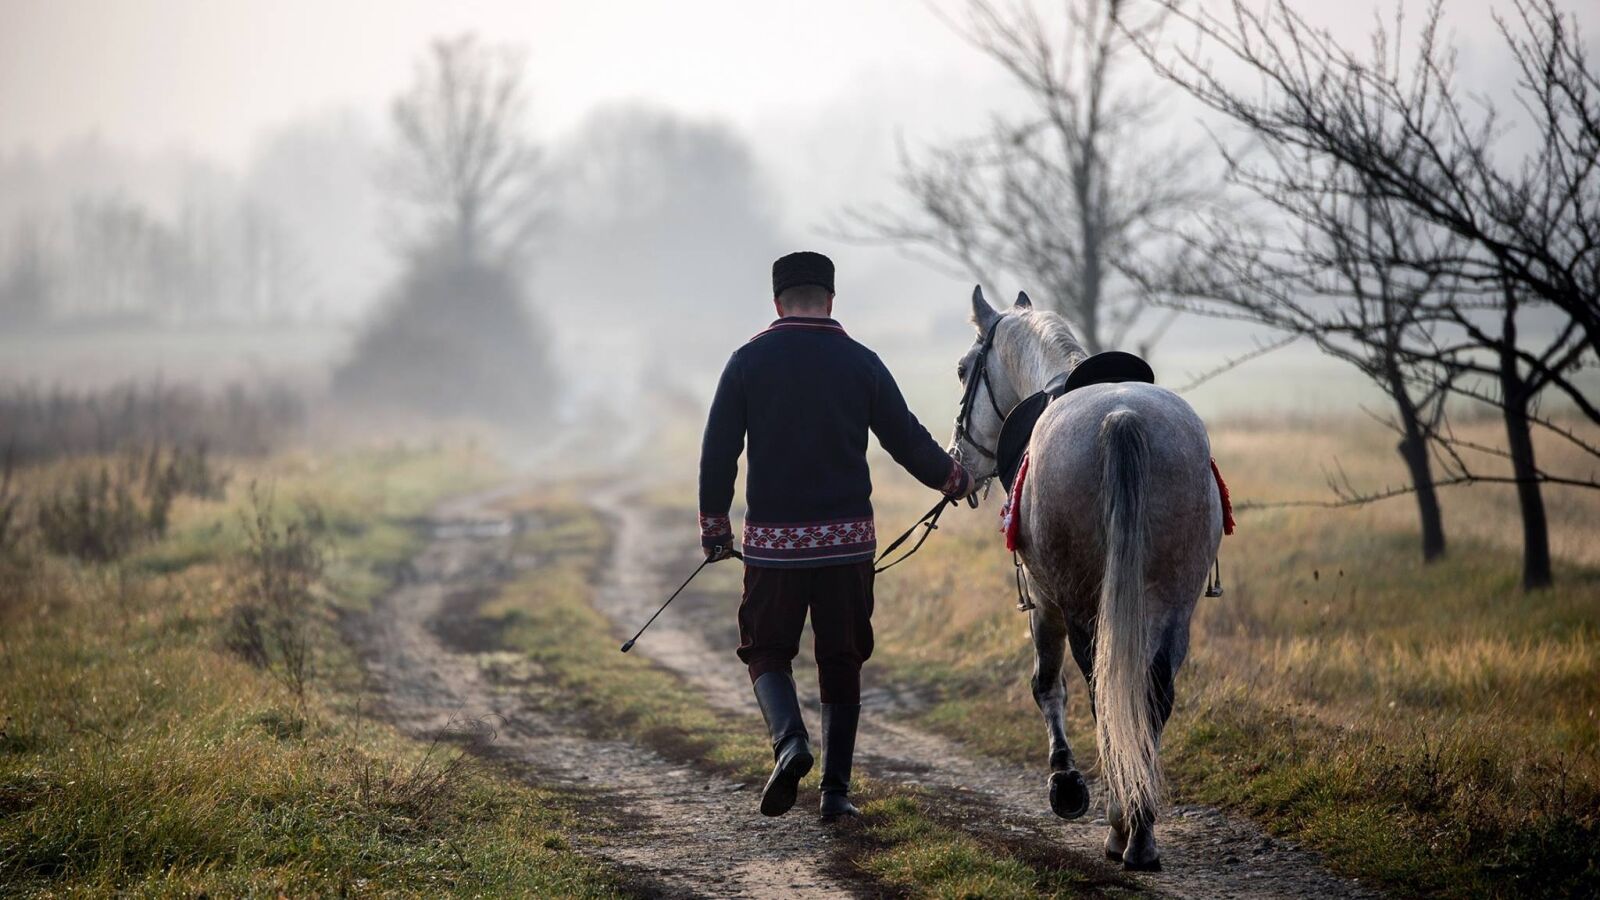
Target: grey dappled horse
{"type": "Point", "coordinates": [1120, 521]}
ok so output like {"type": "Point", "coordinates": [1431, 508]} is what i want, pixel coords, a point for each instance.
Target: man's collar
{"type": "Point", "coordinates": [803, 323]}
{"type": "Point", "coordinates": [805, 320]}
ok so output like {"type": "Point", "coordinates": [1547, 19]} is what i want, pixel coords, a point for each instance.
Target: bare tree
{"type": "Point", "coordinates": [1325, 276]}
{"type": "Point", "coordinates": [1522, 235]}
{"type": "Point", "coordinates": [457, 336]}
{"type": "Point", "coordinates": [1060, 198]}
{"type": "Point", "coordinates": [465, 159]}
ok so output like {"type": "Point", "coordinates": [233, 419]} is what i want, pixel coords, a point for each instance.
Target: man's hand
{"type": "Point", "coordinates": [718, 552]}
{"type": "Point", "coordinates": [961, 484]}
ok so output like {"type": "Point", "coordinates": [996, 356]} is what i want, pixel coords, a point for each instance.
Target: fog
{"type": "Point", "coordinates": [203, 192]}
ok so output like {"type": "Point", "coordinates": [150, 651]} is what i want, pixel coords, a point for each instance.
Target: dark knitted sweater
{"type": "Point", "coordinates": [806, 395]}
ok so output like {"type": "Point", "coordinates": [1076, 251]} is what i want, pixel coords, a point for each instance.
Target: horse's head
{"type": "Point", "coordinates": [988, 389]}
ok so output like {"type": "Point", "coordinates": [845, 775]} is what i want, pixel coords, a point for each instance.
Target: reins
{"type": "Point", "coordinates": [929, 523]}
{"type": "Point", "coordinates": [930, 519]}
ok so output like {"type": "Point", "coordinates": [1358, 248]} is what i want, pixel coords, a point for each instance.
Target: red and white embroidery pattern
{"type": "Point", "coordinates": [714, 526]}
{"type": "Point", "coordinates": [809, 537]}
{"type": "Point", "coordinates": [957, 483]}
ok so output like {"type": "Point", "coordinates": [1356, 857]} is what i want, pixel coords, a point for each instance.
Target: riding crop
{"type": "Point", "coordinates": [732, 554]}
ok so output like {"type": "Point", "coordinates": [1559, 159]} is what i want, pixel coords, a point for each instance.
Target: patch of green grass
{"type": "Point", "coordinates": [912, 851]}
{"type": "Point", "coordinates": [139, 758]}
{"type": "Point", "coordinates": [1466, 770]}
{"type": "Point", "coordinates": [547, 618]}
{"type": "Point", "coordinates": [1445, 812]}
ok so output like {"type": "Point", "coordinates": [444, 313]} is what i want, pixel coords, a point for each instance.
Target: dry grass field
{"type": "Point", "coordinates": [1433, 726]}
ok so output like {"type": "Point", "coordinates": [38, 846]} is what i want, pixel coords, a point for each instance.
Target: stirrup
{"type": "Point", "coordinates": [1024, 596]}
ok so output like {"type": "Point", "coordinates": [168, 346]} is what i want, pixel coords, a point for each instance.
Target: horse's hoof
{"type": "Point", "coordinates": [1061, 760]}
{"type": "Point", "coordinates": [1115, 844]}
{"type": "Point", "coordinates": [1152, 865]}
{"type": "Point", "coordinates": [1069, 795]}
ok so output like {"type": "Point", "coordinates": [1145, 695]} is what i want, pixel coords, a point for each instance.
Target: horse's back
{"type": "Point", "coordinates": [1066, 463]}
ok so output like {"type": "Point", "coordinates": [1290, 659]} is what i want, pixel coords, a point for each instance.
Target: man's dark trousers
{"type": "Point", "coordinates": [772, 616]}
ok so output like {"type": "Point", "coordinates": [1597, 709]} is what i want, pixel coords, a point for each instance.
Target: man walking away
{"type": "Point", "coordinates": [804, 395]}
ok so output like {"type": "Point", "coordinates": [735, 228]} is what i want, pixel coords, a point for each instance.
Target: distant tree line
{"type": "Point", "coordinates": [110, 258]}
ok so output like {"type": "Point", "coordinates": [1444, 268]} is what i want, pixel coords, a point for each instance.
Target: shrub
{"type": "Point", "coordinates": [10, 507]}
{"type": "Point", "coordinates": [103, 516]}
{"type": "Point", "coordinates": [457, 338]}
{"type": "Point", "coordinates": [99, 519]}
{"type": "Point", "coordinates": [272, 624]}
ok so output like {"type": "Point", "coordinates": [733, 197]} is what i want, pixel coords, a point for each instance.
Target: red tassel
{"type": "Point", "coordinates": [1227, 504]}
{"type": "Point", "coordinates": [1011, 512]}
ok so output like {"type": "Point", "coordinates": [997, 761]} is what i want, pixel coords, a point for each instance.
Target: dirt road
{"type": "Point", "coordinates": [656, 819]}
{"type": "Point", "coordinates": [660, 819]}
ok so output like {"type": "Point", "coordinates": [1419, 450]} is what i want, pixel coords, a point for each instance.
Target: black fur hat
{"type": "Point", "coordinates": [801, 268]}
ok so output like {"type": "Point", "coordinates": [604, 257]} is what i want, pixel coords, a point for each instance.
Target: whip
{"type": "Point", "coordinates": [732, 554]}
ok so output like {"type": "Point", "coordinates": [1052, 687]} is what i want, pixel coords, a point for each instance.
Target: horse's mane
{"type": "Point", "coordinates": [1038, 347]}
{"type": "Point", "coordinates": [1052, 333]}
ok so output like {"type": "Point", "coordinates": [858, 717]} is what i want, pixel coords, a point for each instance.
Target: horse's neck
{"type": "Point", "coordinates": [1034, 363]}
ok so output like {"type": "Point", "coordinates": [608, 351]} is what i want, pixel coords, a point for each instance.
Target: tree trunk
{"type": "Point", "coordinates": [1414, 450]}
{"type": "Point", "coordinates": [1535, 529]}
{"type": "Point", "coordinates": [1516, 394]}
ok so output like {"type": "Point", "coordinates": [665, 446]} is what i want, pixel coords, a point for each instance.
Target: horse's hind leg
{"type": "Point", "coordinates": [1069, 794]}
{"type": "Point", "coordinates": [1081, 639]}
{"type": "Point", "coordinates": [1135, 842]}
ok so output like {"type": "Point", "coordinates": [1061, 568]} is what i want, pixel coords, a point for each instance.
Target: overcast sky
{"type": "Point", "coordinates": [210, 75]}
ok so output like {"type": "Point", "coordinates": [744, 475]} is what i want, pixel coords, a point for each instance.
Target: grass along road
{"type": "Point", "coordinates": [139, 757]}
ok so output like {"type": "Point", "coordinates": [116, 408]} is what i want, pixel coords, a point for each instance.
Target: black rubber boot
{"type": "Point", "coordinates": [839, 721]}
{"type": "Point", "coordinates": [791, 748]}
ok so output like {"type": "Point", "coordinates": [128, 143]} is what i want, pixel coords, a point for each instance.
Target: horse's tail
{"type": "Point", "coordinates": [1125, 726]}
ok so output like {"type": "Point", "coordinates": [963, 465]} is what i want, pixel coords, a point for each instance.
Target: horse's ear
{"type": "Point", "coordinates": [1022, 301]}
{"type": "Point", "coordinates": [983, 315]}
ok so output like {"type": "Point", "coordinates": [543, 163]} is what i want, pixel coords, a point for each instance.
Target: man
{"type": "Point", "coordinates": [805, 394]}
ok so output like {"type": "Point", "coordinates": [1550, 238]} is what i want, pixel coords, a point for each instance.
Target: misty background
{"type": "Point", "coordinates": [206, 192]}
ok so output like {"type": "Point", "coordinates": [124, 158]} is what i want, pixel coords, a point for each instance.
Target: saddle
{"type": "Point", "coordinates": [1110, 367]}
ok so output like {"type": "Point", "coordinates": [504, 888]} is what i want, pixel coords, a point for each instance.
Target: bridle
{"type": "Point", "coordinates": [929, 523]}
{"type": "Point", "coordinates": [979, 373]}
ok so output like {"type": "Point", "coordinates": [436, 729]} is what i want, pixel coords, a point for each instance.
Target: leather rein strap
{"type": "Point", "coordinates": [929, 522]}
